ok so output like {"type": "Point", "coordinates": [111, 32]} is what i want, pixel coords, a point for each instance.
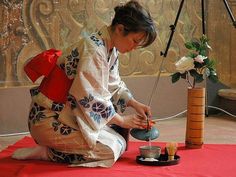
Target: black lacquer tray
{"type": "Point", "coordinates": [162, 161]}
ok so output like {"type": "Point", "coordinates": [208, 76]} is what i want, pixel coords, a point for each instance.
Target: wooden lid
{"type": "Point", "coordinates": [227, 93]}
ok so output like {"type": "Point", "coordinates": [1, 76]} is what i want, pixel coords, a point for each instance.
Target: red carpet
{"type": "Point", "coordinates": [210, 161]}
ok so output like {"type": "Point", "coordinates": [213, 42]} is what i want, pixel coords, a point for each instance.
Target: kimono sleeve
{"type": "Point", "coordinates": [121, 94]}
{"type": "Point", "coordinates": [90, 89]}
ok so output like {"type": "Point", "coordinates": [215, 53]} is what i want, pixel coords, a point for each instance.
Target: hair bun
{"type": "Point", "coordinates": [118, 8]}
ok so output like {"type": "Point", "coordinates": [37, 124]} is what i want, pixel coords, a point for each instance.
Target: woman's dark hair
{"type": "Point", "coordinates": [135, 19]}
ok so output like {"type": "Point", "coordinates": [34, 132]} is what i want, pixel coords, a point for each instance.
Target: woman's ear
{"type": "Point", "coordinates": [120, 29]}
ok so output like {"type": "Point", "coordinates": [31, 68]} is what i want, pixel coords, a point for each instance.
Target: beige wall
{"type": "Point", "coordinates": [14, 109]}
{"type": "Point", "coordinates": [15, 101]}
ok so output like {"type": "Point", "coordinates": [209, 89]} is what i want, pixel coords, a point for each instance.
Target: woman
{"type": "Point", "coordinates": [81, 94]}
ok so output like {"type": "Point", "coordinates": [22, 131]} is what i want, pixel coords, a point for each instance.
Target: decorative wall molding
{"type": "Point", "coordinates": [30, 26]}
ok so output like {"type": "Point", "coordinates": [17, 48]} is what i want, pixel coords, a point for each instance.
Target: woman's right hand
{"type": "Point", "coordinates": [134, 121]}
{"type": "Point", "coordinates": [129, 121]}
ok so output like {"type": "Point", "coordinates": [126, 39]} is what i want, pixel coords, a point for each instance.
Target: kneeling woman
{"type": "Point", "coordinates": [81, 94]}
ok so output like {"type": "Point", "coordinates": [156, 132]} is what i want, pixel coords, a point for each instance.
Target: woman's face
{"type": "Point", "coordinates": [129, 42]}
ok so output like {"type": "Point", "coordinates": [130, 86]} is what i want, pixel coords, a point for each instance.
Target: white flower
{"type": "Point", "coordinates": [200, 58]}
{"type": "Point", "coordinates": [184, 64]}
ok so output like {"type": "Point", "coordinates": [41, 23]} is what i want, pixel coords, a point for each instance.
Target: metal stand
{"type": "Point", "coordinates": [230, 12]}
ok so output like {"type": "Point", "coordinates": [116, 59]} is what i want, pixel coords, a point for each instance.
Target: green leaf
{"type": "Point", "coordinates": [210, 63]}
{"type": "Point", "coordinates": [213, 75]}
{"type": "Point", "coordinates": [198, 65]}
{"type": "Point", "coordinates": [184, 75]}
{"type": "Point", "coordinates": [203, 52]}
{"type": "Point", "coordinates": [204, 39]}
{"type": "Point", "coordinates": [207, 61]}
{"type": "Point", "coordinates": [213, 78]}
{"type": "Point", "coordinates": [192, 55]}
{"type": "Point", "coordinates": [175, 77]}
{"type": "Point", "coordinates": [198, 77]}
{"type": "Point", "coordinates": [189, 46]}
{"type": "Point", "coordinates": [193, 72]}
{"type": "Point", "coordinates": [196, 45]}
{"type": "Point", "coordinates": [213, 72]}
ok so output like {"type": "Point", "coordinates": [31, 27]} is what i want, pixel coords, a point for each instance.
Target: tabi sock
{"type": "Point", "coordinates": [37, 153]}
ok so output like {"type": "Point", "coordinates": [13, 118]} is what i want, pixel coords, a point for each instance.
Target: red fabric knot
{"type": "Point", "coordinates": [42, 64]}
{"type": "Point", "coordinates": [55, 85]}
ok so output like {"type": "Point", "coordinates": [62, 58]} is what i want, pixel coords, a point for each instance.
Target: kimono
{"type": "Point", "coordinates": [79, 94]}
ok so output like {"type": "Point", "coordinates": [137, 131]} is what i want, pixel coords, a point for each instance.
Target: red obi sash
{"type": "Point", "coordinates": [55, 84]}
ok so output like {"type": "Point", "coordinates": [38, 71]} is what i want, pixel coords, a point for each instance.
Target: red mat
{"type": "Point", "coordinates": [210, 161]}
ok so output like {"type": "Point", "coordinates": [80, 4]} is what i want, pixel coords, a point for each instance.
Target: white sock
{"type": "Point", "coordinates": [37, 153]}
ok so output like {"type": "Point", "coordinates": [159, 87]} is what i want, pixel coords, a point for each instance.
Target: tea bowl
{"type": "Point", "coordinates": [150, 151]}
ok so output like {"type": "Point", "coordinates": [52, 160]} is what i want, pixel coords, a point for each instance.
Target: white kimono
{"type": "Point", "coordinates": [76, 131]}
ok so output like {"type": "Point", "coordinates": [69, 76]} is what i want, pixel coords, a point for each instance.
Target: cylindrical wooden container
{"type": "Point", "coordinates": [195, 118]}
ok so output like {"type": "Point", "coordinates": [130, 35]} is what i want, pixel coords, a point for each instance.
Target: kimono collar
{"type": "Point", "coordinates": [104, 33]}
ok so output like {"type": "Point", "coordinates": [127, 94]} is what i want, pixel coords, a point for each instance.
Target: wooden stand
{"type": "Point", "coordinates": [195, 118]}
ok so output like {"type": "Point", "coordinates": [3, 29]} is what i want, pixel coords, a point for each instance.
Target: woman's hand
{"type": "Point", "coordinates": [134, 121]}
{"type": "Point", "coordinates": [129, 121]}
{"type": "Point", "coordinates": [141, 109]}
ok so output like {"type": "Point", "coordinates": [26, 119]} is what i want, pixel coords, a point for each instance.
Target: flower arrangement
{"type": "Point", "coordinates": [196, 64]}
